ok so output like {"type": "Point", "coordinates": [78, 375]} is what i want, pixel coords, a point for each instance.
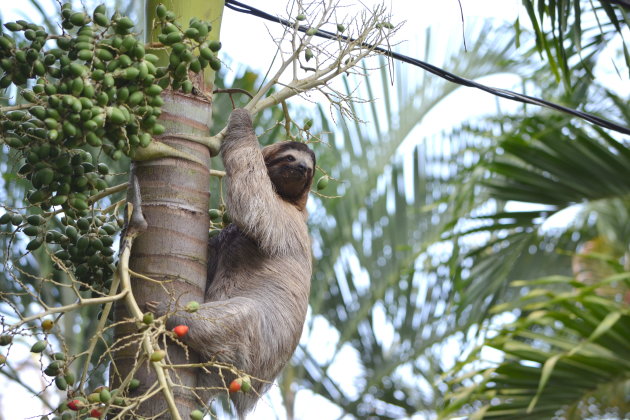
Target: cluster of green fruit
{"type": "Point", "coordinates": [94, 402]}
{"type": "Point", "coordinates": [99, 87]}
{"type": "Point", "coordinates": [219, 219]}
{"type": "Point", "coordinates": [57, 367]}
{"type": "Point", "coordinates": [62, 177]}
{"type": "Point", "coordinates": [183, 44]}
{"type": "Point", "coordinates": [85, 244]}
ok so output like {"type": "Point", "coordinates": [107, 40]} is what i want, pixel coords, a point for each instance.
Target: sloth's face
{"type": "Point", "coordinates": [290, 166]}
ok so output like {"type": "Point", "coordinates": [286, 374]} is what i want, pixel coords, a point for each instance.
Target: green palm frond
{"type": "Point", "coordinates": [575, 177]}
{"type": "Point", "coordinates": [560, 165]}
{"type": "Point", "coordinates": [371, 244]}
{"type": "Point", "coordinates": [568, 346]}
{"type": "Point", "coordinates": [570, 34]}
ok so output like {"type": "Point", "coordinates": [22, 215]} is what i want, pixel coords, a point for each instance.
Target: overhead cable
{"type": "Point", "coordinates": [503, 93]}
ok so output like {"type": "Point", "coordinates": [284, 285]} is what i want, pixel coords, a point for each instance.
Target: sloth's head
{"type": "Point", "coordinates": [290, 166]}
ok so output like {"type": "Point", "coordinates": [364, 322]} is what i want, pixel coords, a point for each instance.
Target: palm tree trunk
{"type": "Point", "coordinates": [175, 201]}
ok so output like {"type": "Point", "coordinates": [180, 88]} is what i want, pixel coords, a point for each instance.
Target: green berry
{"type": "Point", "coordinates": [70, 378]}
{"type": "Point", "coordinates": [13, 26]}
{"type": "Point", "coordinates": [308, 54]}
{"type": "Point", "coordinates": [157, 355]}
{"type": "Point", "coordinates": [78, 18]}
{"type": "Point", "coordinates": [215, 64]}
{"type": "Point", "coordinates": [322, 183]}
{"type": "Point", "coordinates": [192, 306]}
{"type": "Point", "coordinates": [124, 23]}
{"type": "Point", "coordinates": [160, 11]}
{"type": "Point", "coordinates": [105, 396]}
{"type": "Point", "coordinates": [38, 347]}
{"type": "Point", "coordinates": [34, 244]}
{"type": "Point", "coordinates": [191, 33]}
{"type": "Point", "coordinates": [35, 220]}
{"type": "Point", "coordinates": [61, 383]}
{"type": "Point", "coordinates": [214, 45]}
{"type": "Point", "coordinates": [101, 20]}
{"type": "Point", "coordinates": [134, 384]}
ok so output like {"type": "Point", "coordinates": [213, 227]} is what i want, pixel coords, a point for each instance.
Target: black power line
{"type": "Point", "coordinates": [503, 93]}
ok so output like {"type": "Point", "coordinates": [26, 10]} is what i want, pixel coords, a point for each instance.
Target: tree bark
{"type": "Point", "coordinates": [173, 250]}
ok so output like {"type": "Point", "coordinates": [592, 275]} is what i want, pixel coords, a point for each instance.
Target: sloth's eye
{"type": "Point", "coordinates": [290, 158]}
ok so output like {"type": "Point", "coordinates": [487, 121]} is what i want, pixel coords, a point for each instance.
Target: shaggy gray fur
{"type": "Point", "coordinates": [259, 281]}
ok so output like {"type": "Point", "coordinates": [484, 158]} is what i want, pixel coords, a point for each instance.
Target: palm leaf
{"type": "Point", "coordinates": [554, 165]}
{"type": "Point", "coordinates": [568, 346]}
{"type": "Point", "coordinates": [570, 30]}
{"type": "Point", "coordinates": [371, 244]}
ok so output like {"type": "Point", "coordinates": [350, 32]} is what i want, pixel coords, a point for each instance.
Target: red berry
{"type": "Point", "coordinates": [76, 405]}
{"type": "Point", "coordinates": [180, 330]}
{"type": "Point", "coordinates": [235, 385]}
{"type": "Point", "coordinates": [96, 413]}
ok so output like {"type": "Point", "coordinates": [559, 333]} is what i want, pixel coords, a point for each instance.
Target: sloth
{"type": "Point", "coordinates": [260, 266]}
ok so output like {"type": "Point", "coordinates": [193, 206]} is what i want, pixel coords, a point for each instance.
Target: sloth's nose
{"type": "Point", "coordinates": [302, 167]}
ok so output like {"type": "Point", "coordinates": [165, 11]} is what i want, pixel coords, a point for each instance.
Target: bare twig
{"type": "Point", "coordinates": [233, 90]}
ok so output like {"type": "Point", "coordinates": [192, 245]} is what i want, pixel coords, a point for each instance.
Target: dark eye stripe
{"type": "Point", "coordinates": [275, 161]}
{"type": "Point", "coordinates": [281, 159]}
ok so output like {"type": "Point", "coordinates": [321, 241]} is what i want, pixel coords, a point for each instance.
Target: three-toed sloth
{"type": "Point", "coordinates": [260, 266]}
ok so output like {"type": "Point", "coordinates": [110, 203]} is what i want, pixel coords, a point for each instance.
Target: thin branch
{"type": "Point", "coordinates": [287, 119]}
{"type": "Point", "coordinates": [143, 277]}
{"type": "Point", "coordinates": [15, 378]}
{"type": "Point", "coordinates": [233, 90]}
{"type": "Point", "coordinates": [100, 327]}
{"type": "Point", "coordinates": [108, 191]}
{"type": "Point", "coordinates": [461, 12]}
{"type": "Point", "coordinates": [15, 107]}
{"type": "Point", "coordinates": [67, 308]}
{"type": "Point", "coordinates": [136, 225]}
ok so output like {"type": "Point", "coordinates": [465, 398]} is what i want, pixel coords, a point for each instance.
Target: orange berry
{"type": "Point", "coordinates": [180, 330]}
{"type": "Point", "coordinates": [235, 385]}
